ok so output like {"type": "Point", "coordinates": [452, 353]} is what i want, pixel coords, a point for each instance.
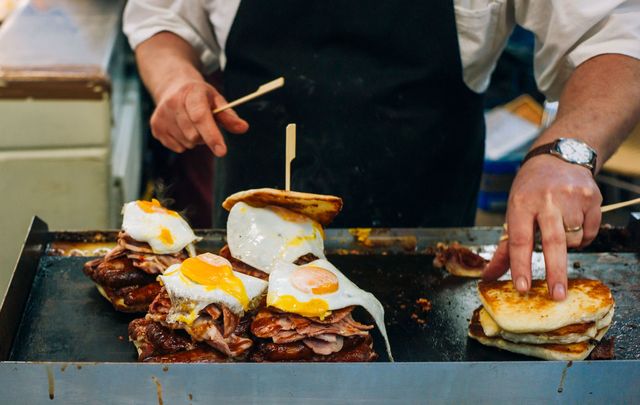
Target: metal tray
{"type": "Point", "coordinates": [55, 329]}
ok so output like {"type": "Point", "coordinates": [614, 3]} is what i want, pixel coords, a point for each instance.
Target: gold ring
{"type": "Point", "coordinates": [504, 237]}
{"type": "Point", "coordinates": [574, 229]}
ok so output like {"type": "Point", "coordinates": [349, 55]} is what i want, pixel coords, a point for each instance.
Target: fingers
{"type": "Point", "coordinates": [554, 246]}
{"type": "Point", "coordinates": [521, 231]}
{"type": "Point", "coordinates": [160, 131]}
{"type": "Point", "coordinates": [228, 118]}
{"type": "Point", "coordinates": [499, 263]}
{"type": "Point", "coordinates": [591, 225]}
{"type": "Point", "coordinates": [198, 104]}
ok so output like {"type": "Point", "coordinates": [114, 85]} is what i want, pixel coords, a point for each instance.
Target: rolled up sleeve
{"type": "Point", "coordinates": [188, 19]}
{"type": "Point", "coordinates": [569, 32]}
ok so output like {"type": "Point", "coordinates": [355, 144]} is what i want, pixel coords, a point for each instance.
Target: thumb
{"type": "Point", "coordinates": [228, 118]}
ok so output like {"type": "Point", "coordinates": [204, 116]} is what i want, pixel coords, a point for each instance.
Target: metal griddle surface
{"type": "Point", "coordinates": [67, 320]}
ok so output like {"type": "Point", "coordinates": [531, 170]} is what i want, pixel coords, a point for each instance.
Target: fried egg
{"type": "Point", "coordinates": [317, 288]}
{"type": "Point", "coordinates": [262, 237]}
{"type": "Point", "coordinates": [208, 279]}
{"type": "Point", "coordinates": [164, 230]}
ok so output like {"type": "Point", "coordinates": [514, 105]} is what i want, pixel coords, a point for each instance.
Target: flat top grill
{"type": "Point", "coordinates": [65, 319]}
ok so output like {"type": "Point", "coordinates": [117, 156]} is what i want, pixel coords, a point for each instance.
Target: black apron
{"type": "Point", "coordinates": [383, 117]}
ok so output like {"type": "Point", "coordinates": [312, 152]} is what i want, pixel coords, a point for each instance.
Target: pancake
{"type": "Point", "coordinates": [564, 352]}
{"type": "Point", "coordinates": [535, 312]}
{"type": "Point", "coordinates": [580, 332]}
{"type": "Point", "coordinates": [321, 208]}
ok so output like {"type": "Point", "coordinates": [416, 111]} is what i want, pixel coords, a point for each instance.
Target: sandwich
{"type": "Point", "coordinates": [308, 317]}
{"type": "Point", "coordinates": [202, 313]}
{"type": "Point", "coordinates": [267, 226]}
{"type": "Point", "coordinates": [152, 239]}
{"type": "Point", "coordinates": [534, 325]}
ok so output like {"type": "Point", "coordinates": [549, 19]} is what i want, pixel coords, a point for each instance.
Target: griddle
{"type": "Point", "coordinates": [53, 315]}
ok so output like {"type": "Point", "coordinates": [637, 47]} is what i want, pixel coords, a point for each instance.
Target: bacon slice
{"type": "Point", "coordinates": [242, 267]}
{"type": "Point", "coordinates": [126, 275]}
{"type": "Point", "coordinates": [322, 337]}
{"type": "Point", "coordinates": [216, 326]}
{"type": "Point", "coordinates": [355, 349]}
{"type": "Point", "coordinates": [459, 260]}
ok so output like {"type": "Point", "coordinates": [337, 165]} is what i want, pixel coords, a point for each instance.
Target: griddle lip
{"type": "Point", "coordinates": [17, 293]}
{"type": "Point", "coordinates": [341, 242]}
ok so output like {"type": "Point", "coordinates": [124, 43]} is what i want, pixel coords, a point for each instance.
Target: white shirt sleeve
{"type": "Point", "coordinates": [569, 32]}
{"type": "Point", "coordinates": [186, 18]}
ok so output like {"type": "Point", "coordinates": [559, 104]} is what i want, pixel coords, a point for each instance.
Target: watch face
{"type": "Point", "coordinates": [575, 151]}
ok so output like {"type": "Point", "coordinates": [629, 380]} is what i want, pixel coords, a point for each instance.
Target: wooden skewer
{"type": "Point", "coordinates": [290, 154]}
{"type": "Point", "coordinates": [611, 207]}
{"type": "Point", "coordinates": [265, 88]}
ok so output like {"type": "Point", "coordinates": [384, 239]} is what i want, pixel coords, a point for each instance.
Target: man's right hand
{"type": "Point", "coordinates": [183, 118]}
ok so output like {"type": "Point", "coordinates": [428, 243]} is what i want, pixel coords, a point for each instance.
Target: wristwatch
{"type": "Point", "coordinates": [568, 149]}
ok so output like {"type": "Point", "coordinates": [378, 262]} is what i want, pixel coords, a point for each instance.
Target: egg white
{"type": "Point", "coordinates": [188, 298]}
{"type": "Point", "coordinates": [147, 227]}
{"type": "Point", "coordinates": [347, 294]}
{"type": "Point", "coordinates": [261, 238]}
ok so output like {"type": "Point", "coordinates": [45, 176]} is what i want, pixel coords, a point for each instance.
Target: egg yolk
{"type": "Point", "coordinates": [315, 307]}
{"type": "Point", "coordinates": [215, 274]}
{"type": "Point", "coordinates": [165, 236]}
{"type": "Point", "coordinates": [154, 207]}
{"type": "Point", "coordinates": [314, 280]}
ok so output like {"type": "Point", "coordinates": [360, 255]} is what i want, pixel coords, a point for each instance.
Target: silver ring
{"type": "Point", "coordinates": [574, 229]}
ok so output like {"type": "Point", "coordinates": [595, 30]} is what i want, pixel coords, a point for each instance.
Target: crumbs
{"type": "Point", "coordinates": [423, 306]}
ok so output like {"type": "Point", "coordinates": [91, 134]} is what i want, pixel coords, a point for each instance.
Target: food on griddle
{"type": "Point", "coordinates": [204, 304]}
{"type": "Point", "coordinates": [152, 239]}
{"type": "Point", "coordinates": [266, 226]}
{"type": "Point", "coordinates": [308, 316]}
{"type": "Point", "coordinates": [459, 260]}
{"type": "Point", "coordinates": [535, 325]}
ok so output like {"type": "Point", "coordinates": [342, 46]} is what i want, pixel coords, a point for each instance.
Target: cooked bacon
{"type": "Point", "coordinates": [213, 311]}
{"type": "Point", "coordinates": [230, 321]}
{"type": "Point", "coordinates": [126, 242]}
{"type": "Point", "coordinates": [127, 273]}
{"type": "Point", "coordinates": [155, 264]}
{"type": "Point", "coordinates": [197, 355]}
{"type": "Point", "coordinates": [242, 267]}
{"type": "Point", "coordinates": [324, 347]}
{"type": "Point", "coordinates": [118, 273]}
{"type": "Point", "coordinates": [323, 338]}
{"type": "Point", "coordinates": [153, 339]}
{"type": "Point", "coordinates": [204, 329]}
{"type": "Point", "coordinates": [142, 296]}
{"type": "Point", "coordinates": [306, 259]}
{"type": "Point", "coordinates": [355, 349]}
{"type": "Point", "coordinates": [456, 255]}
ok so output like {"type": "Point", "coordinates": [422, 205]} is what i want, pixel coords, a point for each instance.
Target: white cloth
{"type": "Point", "coordinates": [567, 32]}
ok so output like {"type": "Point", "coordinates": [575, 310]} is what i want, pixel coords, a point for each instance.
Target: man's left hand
{"type": "Point", "coordinates": [556, 198]}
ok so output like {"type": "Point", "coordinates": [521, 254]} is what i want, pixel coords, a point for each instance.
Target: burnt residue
{"type": "Point", "coordinates": [563, 376]}
{"type": "Point", "coordinates": [158, 389]}
{"type": "Point", "coordinates": [50, 382]}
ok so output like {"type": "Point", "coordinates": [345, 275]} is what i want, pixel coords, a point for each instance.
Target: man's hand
{"type": "Point", "coordinates": [599, 105]}
{"type": "Point", "coordinates": [171, 71]}
{"type": "Point", "coordinates": [550, 195]}
{"type": "Point", "coordinates": [183, 118]}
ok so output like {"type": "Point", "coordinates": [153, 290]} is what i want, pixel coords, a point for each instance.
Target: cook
{"type": "Point", "coordinates": [388, 102]}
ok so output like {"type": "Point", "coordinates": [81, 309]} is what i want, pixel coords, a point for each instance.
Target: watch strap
{"type": "Point", "coordinates": [539, 150]}
{"type": "Point", "coordinates": [548, 148]}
